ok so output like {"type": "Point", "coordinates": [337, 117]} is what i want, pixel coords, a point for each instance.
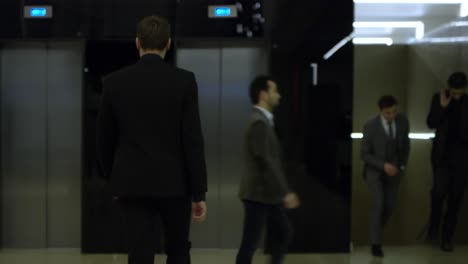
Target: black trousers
{"type": "Point", "coordinates": [449, 181]}
{"type": "Point", "coordinates": [141, 215]}
{"type": "Point", "coordinates": [257, 215]}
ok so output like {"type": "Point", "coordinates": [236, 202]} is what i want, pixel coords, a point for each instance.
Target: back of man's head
{"type": "Point", "coordinates": [457, 80]}
{"type": "Point", "coordinates": [153, 32]}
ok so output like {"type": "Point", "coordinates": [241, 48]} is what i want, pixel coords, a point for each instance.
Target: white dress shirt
{"type": "Point", "coordinates": [386, 127]}
{"type": "Point", "coordinates": [267, 113]}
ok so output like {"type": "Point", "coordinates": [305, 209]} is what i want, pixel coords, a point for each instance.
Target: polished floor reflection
{"type": "Point", "coordinates": [394, 255]}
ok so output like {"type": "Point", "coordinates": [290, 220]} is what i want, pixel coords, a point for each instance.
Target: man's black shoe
{"type": "Point", "coordinates": [377, 251]}
{"type": "Point", "coordinates": [446, 246]}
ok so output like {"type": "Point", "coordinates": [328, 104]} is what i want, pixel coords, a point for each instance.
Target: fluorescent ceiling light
{"type": "Point", "coordinates": [437, 31]}
{"type": "Point", "coordinates": [464, 9]}
{"type": "Point", "coordinates": [417, 25]}
{"type": "Point", "coordinates": [459, 24]}
{"type": "Point", "coordinates": [421, 135]}
{"type": "Point", "coordinates": [446, 2]}
{"type": "Point", "coordinates": [444, 40]}
{"type": "Point", "coordinates": [410, 135]}
{"type": "Point", "coordinates": [372, 41]}
{"type": "Point", "coordinates": [338, 46]}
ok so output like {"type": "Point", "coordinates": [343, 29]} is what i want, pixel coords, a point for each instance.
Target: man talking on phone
{"type": "Point", "coordinates": [449, 117]}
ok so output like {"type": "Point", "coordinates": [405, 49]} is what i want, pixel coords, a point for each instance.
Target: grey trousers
{"type": "Point", "coordinates": [384, 191]}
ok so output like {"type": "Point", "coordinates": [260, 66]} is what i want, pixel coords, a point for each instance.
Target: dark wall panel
{"type": "Point", "coordinates": [66, 22]}
{"type": "Point", "coordinates": [92, 19]}
{"type": "Point", "coordinates": [117, 19]}
{"type": "Point", "coordinates": [102, 219]}
{"type": "Point", "coordinates": [314, 125]}
{"type": "Point", "coordinates": [314, 120]}
{"type": "Point", "coordinates": [297, 25]}
{"type": "Point", "coordinates": [122, 16]}
{"type": "Point", "coordinates": [10, 22]}
{"type": "Point", "coordinates": [192, 19]}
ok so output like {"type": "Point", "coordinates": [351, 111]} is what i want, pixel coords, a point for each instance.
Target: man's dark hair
{"type": "Point", "coordinates": [260, 83]}
{"type": "Point", "coordinates": [457, 80]}
{"type": "Point", "coordinates": [387, 101]}
{"type": "Point", "coordinates": [153, 32]}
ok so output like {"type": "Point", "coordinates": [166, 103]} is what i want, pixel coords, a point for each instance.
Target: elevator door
{"type": "Point", "coordinates": [223, 76]}
{"type": "Point", "coordinates": [40, 177]}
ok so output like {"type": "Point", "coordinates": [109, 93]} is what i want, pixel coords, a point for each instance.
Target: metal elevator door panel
{"type": "Point", "coordinates": [41, 84]}
{"type": "Point", "coordinates": [205, 63]}
{"type": "Point", "coordinates": [223, 76]}
{"type": "Point", "coordinates": [23, 139]}
{"type": "Point", "coordinates": [239, 67]}
{"type": "Point", "coordinates": [64, 90]}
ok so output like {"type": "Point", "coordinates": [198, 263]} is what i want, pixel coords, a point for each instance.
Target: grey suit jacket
{"type": "Point", "coordinates": [373, 145]}
{"type": "Point", "coordinates": [264, 180]}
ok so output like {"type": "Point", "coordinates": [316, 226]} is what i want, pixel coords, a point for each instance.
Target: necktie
{"type": "Point", "coordinates": [390, 129]}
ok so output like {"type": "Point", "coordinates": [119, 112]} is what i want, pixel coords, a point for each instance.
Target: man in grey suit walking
{"type": "Point", "coordinates": [384, 150]}
{"type": "Point", "coordinates": [263, 188]}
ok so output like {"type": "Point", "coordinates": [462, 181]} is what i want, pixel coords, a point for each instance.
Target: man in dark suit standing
{"type": "Point", "coordinates": [263, 189]}
{"type": "Point", "coordinates": [449, 117]}
{"type": "Point", "coordinates": [384, 150]}
{"type": "Point", "coordinates": [150, 146]}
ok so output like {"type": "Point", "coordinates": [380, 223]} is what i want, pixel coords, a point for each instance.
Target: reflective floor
{"type": "Point", "coordinates": [393, 255]}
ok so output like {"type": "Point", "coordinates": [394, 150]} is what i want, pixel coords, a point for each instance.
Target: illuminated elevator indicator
{"type": "Point", "coordinates": [222, 11]}
{"type": "Point", "coordinates": [38, 12]}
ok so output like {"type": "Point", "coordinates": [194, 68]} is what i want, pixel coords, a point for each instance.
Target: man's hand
{"type": "Point", "coordinates": [199, 211]}
{"type": "Point", "coordinates": [444, 99]}
{"type": "Point", "coordinates": [291, 201]}
{"type": "Point", "coordinates": [390, 169]}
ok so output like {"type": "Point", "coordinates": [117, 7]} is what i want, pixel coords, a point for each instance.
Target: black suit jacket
{"type": "Point", "coordinates": [438, 120]}
{"type": "Point", "coordinates": [149, 137]}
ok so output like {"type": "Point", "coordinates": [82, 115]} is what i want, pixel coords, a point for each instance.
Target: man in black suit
{"type": "Point", "coordinates": [449, 117]}
{"type": "Point", "coordinates": [150, 146]}
{"type": "Point", "coordinates": [263, 189]}
{"type": "Point", "coordinates": [384, 150]}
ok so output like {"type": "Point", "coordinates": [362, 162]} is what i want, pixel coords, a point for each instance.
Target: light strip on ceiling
{"type": "Point", "coordinates": [421, 135]}
{"type": "Point", "coordinates": [444, 40]}
{"type": "Point", "coordinates": [373, 41]}
{"type": "Point", "coordinates": [464, 9]}
{"type": "Point", "coordinates": [425, 136]}
{"type": "Point", "coordinates": [417, 25]}
{"type": "Point", "coordinates": [442, 2]}
{"type": "Point", "coordinates": [338, 46]}
{"type": "Point", "coordinates": [440, 29]}
{"type": "Point", "coordinates": [356, 135]}
{"type": "Point", "coordinates": [459, 24]}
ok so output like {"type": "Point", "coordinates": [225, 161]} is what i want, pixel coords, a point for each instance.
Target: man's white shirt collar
{"type": "Point", "coordinates": [267, 113]}
{"type": "Point", "coordinates": [386, 127]}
